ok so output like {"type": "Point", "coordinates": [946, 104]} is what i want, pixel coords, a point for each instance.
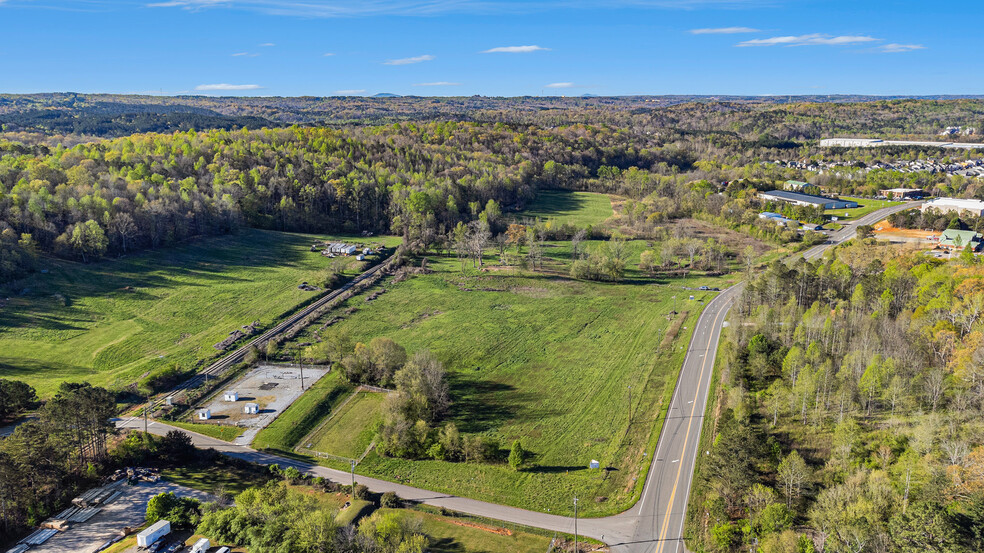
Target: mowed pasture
{"type": "Point", "coordinates": [542, 358]}
{"type": "Point", "coordinates": [865, 206]}
{"type": "Point", "coordinates": [578, 209]}
{"type": "Point", "coordinates": [351, 429]}
{"type": "Point", "coordinates": [113, 322]}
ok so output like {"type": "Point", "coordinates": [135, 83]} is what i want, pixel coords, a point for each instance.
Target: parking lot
{"type": "Point", "coordinates": [272, 387]}
{"type": "Point", "coordinates": [129, 509]}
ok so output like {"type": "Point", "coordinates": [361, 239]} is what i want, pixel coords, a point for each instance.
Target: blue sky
{"type": "Point", "coordinates": [491, 47]}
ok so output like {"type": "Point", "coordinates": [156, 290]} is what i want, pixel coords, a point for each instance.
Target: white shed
{"type": "Point", "coordinates": [594, 464]}
{"type": "Point", "coordinates": [251, 408]}
{"type": "Point", "coordinates": [360, 257]}
{"type": "Point", "coordinates": [204, 414]}
{"type": "Point", "coordinates": [366, 251]}
{"type": "Point", "coordinates": [231, 395]}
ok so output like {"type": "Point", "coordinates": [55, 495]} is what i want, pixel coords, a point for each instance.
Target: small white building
{"type": "Point", "coordinates": [594, 464]}
{"type": "Point", "coordinates": [251, 408]}
{"type": "Point", "coordinates": [360, 257]}
{"type": "Point", "coordinates": [231, 395]}
{"type": "Point", "coordinates": [366, 251]}
{"type": "Point", "coordinates": [204, 414]}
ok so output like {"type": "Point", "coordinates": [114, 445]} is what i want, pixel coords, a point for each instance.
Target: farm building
{"type": "Point", "coordinates": [231, 395]}
{"type": "Point", "coordinates": [204, 414]}
{"type": "Point", "coordinates": [902, 193]}
{"type": "Point", "coordinates": [339, 248]}
{"type": "Point", "coordinates": [795, 185]}
{"type": "Point", "coordinates": [955, 205]}
{"type": "Point", "coordinates": [798, 198]}
{"type": "Point", "coordinates": [959, 239]}
{"type": "Point", "coordinates": [251, 408]}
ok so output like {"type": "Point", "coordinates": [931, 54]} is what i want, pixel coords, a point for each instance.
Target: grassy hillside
{"type": "Point", "coordinates": [543, 358]}
{"type": "Point", "coordinates": [113, 322]}
{"type": "Point", "coordinates": [573, 208]}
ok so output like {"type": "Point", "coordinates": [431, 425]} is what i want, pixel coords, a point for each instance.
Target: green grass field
{"type": "Point", "coordinates": [864, 207]}
{"type": "Point", "coordinates": [543, 358]}
{"type": "Point", "coordinates": [352, 427]}
{"type": "Point", "coordinates": [218, 431]}
{"type": "Point", "coordinates": [448, 537]}
{"type": "Point", "coordinates": [304, 414]}
{"type": "Point", "coordinates": [575, 208]}
{"type": "Point", "coordinates": [113, 322]}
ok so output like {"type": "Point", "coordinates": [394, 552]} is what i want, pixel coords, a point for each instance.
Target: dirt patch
{"type": "Point", "coordinates": [247, 330]}
{"type": "Point", "coordinates": [885, 230]}
{"type": "Point", "coordinates": [492, 529]}
{"type": "Point", "coordinates": [267, 386]}
{"type": "Point", "coordinates": [674, 329]}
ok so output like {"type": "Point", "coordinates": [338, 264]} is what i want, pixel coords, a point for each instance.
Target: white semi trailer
{"type": "Point", "coordinates": [153, 533]}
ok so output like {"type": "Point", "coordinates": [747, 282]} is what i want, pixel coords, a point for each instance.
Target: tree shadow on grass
{"type": "Point", "coordinates": [445, 545]}
{"type": "Point", "coordinates": [481, 405]}
{"type": "Point", "coordinates": [553, 203]}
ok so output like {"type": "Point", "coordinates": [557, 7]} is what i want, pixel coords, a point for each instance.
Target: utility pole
{"type": "Point", "coordinates": [301, 365]}
{"type": "Point", "coordinates": [630, 404]}
{"type": "Point", "coordinates": [352, 461]}
{"type": "Point", "coordinates": [575, 524]}
{"type": "Point", "coordinates": [146, 409]}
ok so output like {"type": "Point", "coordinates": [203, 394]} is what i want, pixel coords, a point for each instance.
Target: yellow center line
{"type": "Point", "coordinates": [686, 439]}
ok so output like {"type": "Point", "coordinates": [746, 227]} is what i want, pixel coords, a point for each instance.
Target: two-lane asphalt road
{"type": "Point", "coordinates": [655, 523]}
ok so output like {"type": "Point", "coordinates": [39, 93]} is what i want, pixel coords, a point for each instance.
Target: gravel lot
{"type": "Point", "coordinates": [274, 388]}
{"type": "Point", "coordinates": [128, 510]}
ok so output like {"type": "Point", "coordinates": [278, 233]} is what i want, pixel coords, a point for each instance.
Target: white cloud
{"type": "Point", "coordinates": [350, 92]}
{"type": "Point", "coordinates": [894, 48]}
{"type": "Point", "coordinates": [438, 83]}
{"type": "Point", "coordinates": [724, 31]}
{"type": "Point", "coordinates": [815, 39]}
{"type": "Point", "coordinates": [225, 86]}
{"type": "Point", "coordinates": [267, 45]}
{"type": "Point", "coordinates": [560, 85]}
{"type": "Point", "coordinates": [408, 61]}
{"type": "Point", "coordinates": [362, 8]}
{"type": "Point", "coordinates": [514, 49]}
{"type": "Point", "coordinates": [244, 54]}
{"type": "Point", "coordinates": [328, 54]}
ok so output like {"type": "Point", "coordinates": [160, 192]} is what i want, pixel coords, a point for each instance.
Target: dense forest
{"type": "Point", "coordinates": [850, 418]}
{"type": "Point", "coordinates": [82, 198]}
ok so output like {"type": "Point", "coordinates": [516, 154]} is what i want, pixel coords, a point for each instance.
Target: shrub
{"type": "Point", "coordinates": [389, 500]}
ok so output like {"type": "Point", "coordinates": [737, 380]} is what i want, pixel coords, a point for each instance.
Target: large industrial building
{"type": "Point", "coordinates": [798, 198]}
{"type": "Point", "coordinates": [955, 205]}
{"type": "Point", "coordinates": [878, 142]}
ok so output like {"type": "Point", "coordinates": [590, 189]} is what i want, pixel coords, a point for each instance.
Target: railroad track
{"type": "Point", "coordinates": [239, 353]}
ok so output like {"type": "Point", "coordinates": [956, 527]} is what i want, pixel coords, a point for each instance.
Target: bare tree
{"type": "Point", "coordinates": [123, 226]}
{"type": "Point", "coordinates": [934, 386]}
{"type": "Point", "coordinates": [576, 244]}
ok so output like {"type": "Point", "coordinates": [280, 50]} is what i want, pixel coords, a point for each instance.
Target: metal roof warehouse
{"type": "Point", "coordinates": [798, 198]}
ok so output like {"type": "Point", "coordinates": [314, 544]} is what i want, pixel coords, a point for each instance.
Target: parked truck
{"type": "Point", "coordinates": [201, 546]}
